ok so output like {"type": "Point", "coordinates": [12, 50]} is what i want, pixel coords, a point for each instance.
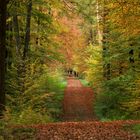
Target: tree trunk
{"type": "Point", "coordinates": [26, 44]}
{"type": "Point", "coordinates": [99, 31]}
{"type": "Point", "coordinates": [106, 49]}
{"type": "Point", "coordinates": [3, 5]}
{"type": "Point", "coordinates": [131, 58]}
{"type": "Point", "coordinates": [27, 31]}
{"type": "Point", "coordinates": [18, 49]}
{"type": "Point", "coordinates": [17, 35]}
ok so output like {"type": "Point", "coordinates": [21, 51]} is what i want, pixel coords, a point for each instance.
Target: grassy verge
{"type": "Point", "coordinates": [54, 103]}
{"type": "Point", "coordinates": [85, 82]}
{"type": "Point", "coordinates": [17, 133]}
{"type": "Point", "coordinates": [135, 128]}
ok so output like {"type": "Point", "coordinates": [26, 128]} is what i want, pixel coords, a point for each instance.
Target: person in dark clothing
{"type": "Point", "coordinates": [75, 74]}
{"type": "Point", "coordinates": [68, 71]}
{"type": "Point", "coordinates": [71, 71]}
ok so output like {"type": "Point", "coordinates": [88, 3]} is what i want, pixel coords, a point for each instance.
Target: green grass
{"type": "Point", "coordinates": [17, 133]}
{"type": "Point", "coordinates": [85, 83]}
{"type": "Point", "coordinates": [135, 128]}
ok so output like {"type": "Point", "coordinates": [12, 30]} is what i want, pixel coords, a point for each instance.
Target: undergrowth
{"type": "Point", "coordinates": [40, 103]}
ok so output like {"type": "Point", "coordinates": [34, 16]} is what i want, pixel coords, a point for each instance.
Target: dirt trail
{"type": "Point", "coordinates": [78, 101]}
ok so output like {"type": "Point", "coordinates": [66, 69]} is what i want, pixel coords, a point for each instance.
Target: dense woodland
{"type": "Point", "coordinates": [41, 39]}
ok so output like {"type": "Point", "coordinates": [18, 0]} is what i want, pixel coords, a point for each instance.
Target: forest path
{"type": "Point", "coordinates": [78, 101]}
{"type": "Point", "coordinates": [78, 105]}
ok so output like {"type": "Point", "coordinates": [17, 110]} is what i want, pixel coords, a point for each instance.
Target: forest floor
{"type": "Point", "coordinates": [80, 123]}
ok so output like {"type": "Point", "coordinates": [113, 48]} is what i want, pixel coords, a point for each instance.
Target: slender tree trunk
{"type": "Point", "coordinates": [131, 59]}
{"type": "Point", "coordinates": [17, 35]}
{"type": "Point", "coordinates": [106, 49]}
{"type": "Point", "coordinates": [9, 41]}
{"type": "Point", "coordinates": [27, 31]}
{"type": "Point", "coordinates": [18, 50]}
{"type": "Point", "coordinates": [3, 5]}
{"type": "Point", "coordinates": [37, 38]}
{"type": "Point", "coordinates": [99, 32]}
{"type": "Point", "coordinates": [102, 38]}
{"type": "Point", "coordinates": [26, 44]}
{"type": "Point", "coordinates": [91, 36]}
